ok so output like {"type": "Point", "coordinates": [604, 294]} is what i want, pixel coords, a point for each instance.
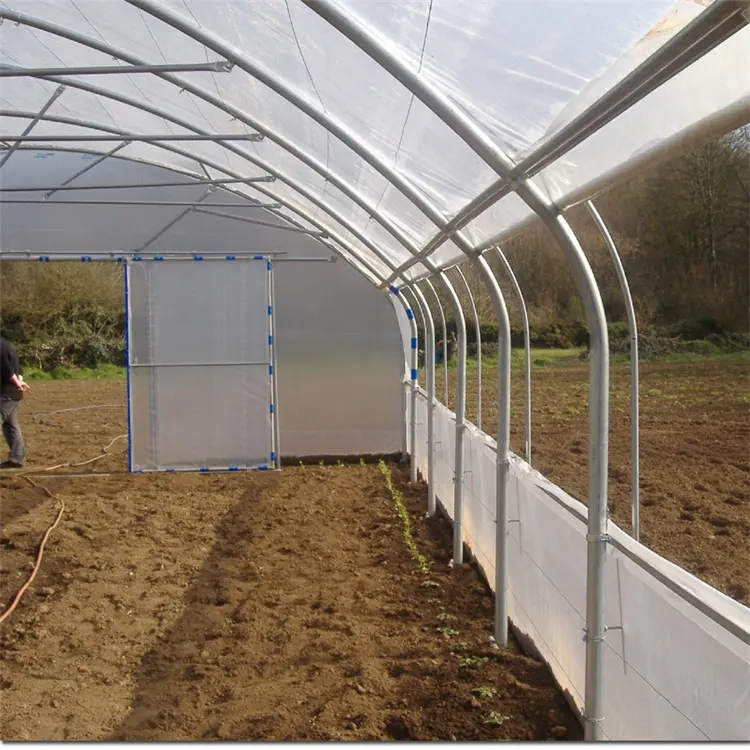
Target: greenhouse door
{"type": "Point", "coordinates": [201, 380]}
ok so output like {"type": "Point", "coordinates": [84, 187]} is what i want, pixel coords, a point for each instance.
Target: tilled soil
{"type": "Point", "coordinates": [695, 454]}
{"type": "Point", "coordinates": [282, 606]}
{"type": "Point", "coordinates": [286, 605]}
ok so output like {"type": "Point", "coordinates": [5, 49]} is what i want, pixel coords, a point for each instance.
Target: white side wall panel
{"type": "Point", "coordinates": [676, 665]}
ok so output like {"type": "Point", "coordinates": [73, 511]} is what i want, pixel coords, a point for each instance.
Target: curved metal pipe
{"type": "Point", "coordinates": [333, 125]}
{"type": "Point", "coordinates": [413, 377]}
{"type": "Point", "coordinates": [430, 369]}
{"type": "Point", "coordinates": [458, 482]}
{"type": "Point", "coordinates": [526, 347]}
{"type": "Point", "coordinates": [634, 384]}
{"type": "Point", "coordinates": [235, 112]}
{"type": "Point", "coordinates": [502, 458]}
{"type": "Point", "coordinates": [348, 254]}
{"type": "Point", "coordinates": [445, 338]}
{"type": "Point", "coordinates": [356, 30]}
{"type": "Point", "coordinates": [478, 336]}
{"type": "Point", "coordinates": [416, 305]}
{"type": "Point", "coordinates": [221, 168]}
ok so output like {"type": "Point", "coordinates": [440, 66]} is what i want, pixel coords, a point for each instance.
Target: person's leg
{"type": "Point", "coordinates": [12, 432]}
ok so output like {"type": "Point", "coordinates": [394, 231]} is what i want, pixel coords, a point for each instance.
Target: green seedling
{"type": "Point", "coordinates": [445, 617]}
{"type": "Point", "coordinates": [459, 647]}
{"type": "Point", "coordinates": [403, 514]}
{"type": "Point", "coordinates": [429, 585]}
{"type": "Point", "coordinates": [472, 662]}
{"type": "Point", "coordinates": [361, 461]}
{"type": "Point", "coordinates": [340, 463]}
{"type": "Point", "coordinates": [485, 692]}
{"type": "Point", "coordinates": [496, 719]}
{"type": "Point", "coordinates": [448, 632]}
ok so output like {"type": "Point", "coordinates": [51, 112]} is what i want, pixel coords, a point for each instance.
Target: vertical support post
{"type": "Point", "coordinates": [478, 336]}
{"type": "Point", "coordinates": [445, 338]}
{"type": "Point", "coordinates": [634, 384]}
{"type": "Point", "coordinates": [30, 126]}
{"type": "Point", "coordinates": [414, 376]}
{"type": "Point", "coordinates": [431, 403]}
{"type": "Point", "coordinates": [154, 371]}
{"type": "Point", "coordinates": [502, 459]}
{"type": "Point", "coordinates": [128, 372]}
{"type": "Point", "coordinates": [458, 487]}
{"type": "Point", "coordinates": [526, 347]}
{"type": "Point", "coordinates": [89, 166]}
{"type": "Point", "coordinates": [417, 305]}
{"type": "Point", "coordinates": [274, 367]}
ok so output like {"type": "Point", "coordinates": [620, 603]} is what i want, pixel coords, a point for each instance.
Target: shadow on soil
{"type": "Point", "coordinates": [319, 628]}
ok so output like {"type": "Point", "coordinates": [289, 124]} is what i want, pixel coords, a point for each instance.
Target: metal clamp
{"type": "Point", "coordinates": [598, 537]}
{"type": "Point", "coordinates": [592, 639]}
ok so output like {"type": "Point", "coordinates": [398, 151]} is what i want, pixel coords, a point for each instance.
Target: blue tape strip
{"type": "Point", "coordinates": [272, 408]}
{"type": "Point", "coordinates": [413, 343]}
{"type": "Point", "coordinates": [410, 313]}
{"type": "Point", "coordinates": [231, 257]}
{"type": "Point", "coordinates": [204, 469]}
{"type": "Point", "coordinates": [169, 471]}
{"type": "Point", "coordinates": [270, 369]}
{"type": "Point", "coordinates": [263, 468]}
{"type": "Point", "coordinates": [120, 259]}
{"type": "Point", "coordinates": [137, 257]}
{"type": "Point", "coordinates": [270, 341]}
{"type": "Point", "coordinates": [257, 257]}
{"type": "Point", "coordinates": [270, 310]}
{"type": "Point", "coordinates": [395, 290]}
{"type": "Point", "coordinates": [233, 468]}
{"type": "Point", "coordinates": [197, 257]}
{"type": "Point", "coordinates": [273, 455]}
{"type": "Point", "coordinates": [86, 258]}
{"type": "Point", "coordinates": [44, 258]}
{"type": "Point", "coordinates": [158, 257]}
{"type": "Point", "coordinates": [268, 265]}
{"type": "Point", "coordinates": [414, 375]}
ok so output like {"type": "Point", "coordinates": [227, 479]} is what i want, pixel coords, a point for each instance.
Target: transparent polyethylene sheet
{"type": "Point", "coordinates": [520, 70]}
{"type": "Point", "coordinates": [340, 362]}
{"type": "Point", "coordinates": [672, 673]}
{"type": "Point", "coordinates": [200, 364]}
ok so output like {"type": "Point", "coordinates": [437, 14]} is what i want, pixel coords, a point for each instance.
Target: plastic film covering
{"type": "Point", "coordinates": [340, 360]}
{"type": "Point", "coordinates": [520, 71]}
{"type": "Point", "coordinates": [200, 364]}
{"type": "Point", "coordinates": [676, 666]}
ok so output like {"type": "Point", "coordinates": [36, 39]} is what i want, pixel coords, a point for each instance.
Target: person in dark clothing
{"type": "Point", "coordinates": [12, 388]}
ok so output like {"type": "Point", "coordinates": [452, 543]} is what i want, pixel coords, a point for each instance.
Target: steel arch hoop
{"type": "Point", "coordinates": [125, 134]}
{"type": "Point", "coordinates": [483, 145]}
{"type": "Point", "coordinates": [347, 256]}
{"type": "Point", "coordinates": [229, 109]}
{"type": "Point", "coordinates": [157, 112]}
{"type": "Point", "coordinates": [332, 125]}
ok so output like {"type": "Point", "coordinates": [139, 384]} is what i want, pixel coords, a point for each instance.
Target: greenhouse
{"type": "Point", "coordinates": [285, 186]}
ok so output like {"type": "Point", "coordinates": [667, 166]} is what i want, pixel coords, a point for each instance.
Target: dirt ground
{"type": "Point", "coordinates": [286, 606]}
{"type": "Point", "coordinates": [694, 454]}
{"type": "Point", "coordinates": [273, 606]}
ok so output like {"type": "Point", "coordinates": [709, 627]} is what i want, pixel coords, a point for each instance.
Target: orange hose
{"type": "Point", "coordinates": [40, 552]}
{"type": "Point", "coordinates": [39, 555]}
